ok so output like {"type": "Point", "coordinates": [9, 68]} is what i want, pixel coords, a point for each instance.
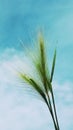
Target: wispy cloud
{"type": "Point", "coordinates": [18, 111]}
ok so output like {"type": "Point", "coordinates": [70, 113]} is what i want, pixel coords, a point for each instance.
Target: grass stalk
{"type": "Point", "coordinates": [51, 112]}
{"type": "Point", "coordinates": [46, 90]}
{"type": "Point", "coordinates": [53, 101]}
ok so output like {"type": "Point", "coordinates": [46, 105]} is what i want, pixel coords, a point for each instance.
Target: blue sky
{"type": "Point", "coordinates": [21, 20]}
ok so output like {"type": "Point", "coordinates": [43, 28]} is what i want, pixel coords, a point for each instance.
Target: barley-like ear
{"type": "Point", "coordinates": [39, 90]}
{"type": "Point", "coordinates": [25, 78]}
{"type": "Point", "coordinates": [42, 61]}
{"type": "Point", "coordinates": [34, 85]}
{"type": "Point", "coordinates": [53, 66]}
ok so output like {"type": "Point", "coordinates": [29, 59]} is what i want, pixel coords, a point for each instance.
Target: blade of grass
{"type": "Point", "coordinates": [53, 66]}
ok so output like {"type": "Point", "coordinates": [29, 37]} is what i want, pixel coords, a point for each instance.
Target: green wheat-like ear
{"type": "Point", "coordinates": [41, 64]}
{"type": "Point", "coordinates": [35, 86]}
{"type": "Point", "coordinates": [53, 66]}
{"type": "Point", "coordinates": [42, 61]}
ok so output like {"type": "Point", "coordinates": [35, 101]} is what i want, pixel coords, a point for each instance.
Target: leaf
{"type": "Point", "coordinates": [53, 66]}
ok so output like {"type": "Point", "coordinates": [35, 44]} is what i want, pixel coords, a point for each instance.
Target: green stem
{"type": "Point", "coordinates": [53, 101]}
{"type": "Point", "coordinates": [55, 109]}
{"type": "Point", "coordinates": [51, 112]}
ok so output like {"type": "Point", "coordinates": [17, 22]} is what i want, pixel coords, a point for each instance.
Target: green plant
{"type": "Point", "coordinates": [45, 90]}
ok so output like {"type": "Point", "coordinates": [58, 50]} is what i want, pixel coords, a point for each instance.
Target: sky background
{"type": "Point", "coordinates": [21, 20]}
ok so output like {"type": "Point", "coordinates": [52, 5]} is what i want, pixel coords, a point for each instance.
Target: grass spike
{"type": "Point", "coordinates": [33, 83]}
{"type": "Point", "coordinates": [43, 61]}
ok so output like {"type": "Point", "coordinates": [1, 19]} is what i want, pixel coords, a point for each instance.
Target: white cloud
{"type": "Point", "coordinates": [18, 111]}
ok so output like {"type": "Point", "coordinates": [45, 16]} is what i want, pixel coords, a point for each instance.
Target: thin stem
{"type": "Point", "coordinates": [53, 101]}
{"type": "Point", "coordinates": [51, 112]}
{"type": "Point", "coordinates": [55, 109]}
